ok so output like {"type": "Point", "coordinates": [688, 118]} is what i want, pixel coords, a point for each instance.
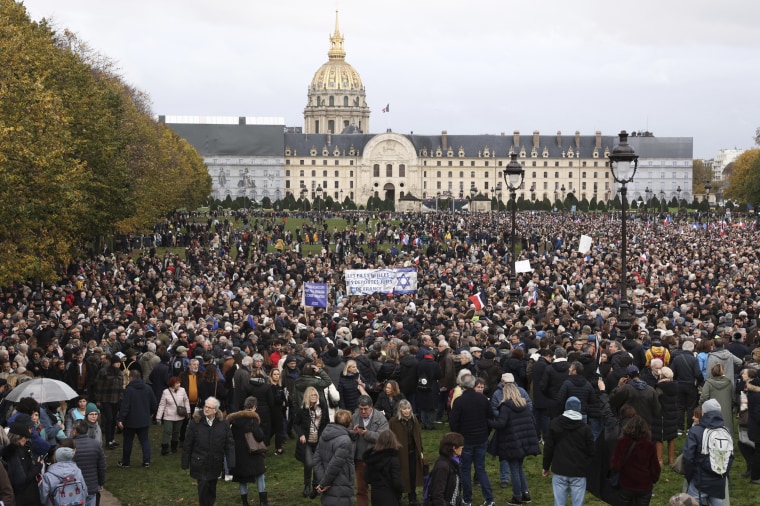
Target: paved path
{"type": "Point", "coordinates": [107, 499]}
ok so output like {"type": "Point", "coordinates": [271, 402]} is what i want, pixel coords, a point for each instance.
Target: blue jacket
{"type": "Point", "coordinates": [697, 466]}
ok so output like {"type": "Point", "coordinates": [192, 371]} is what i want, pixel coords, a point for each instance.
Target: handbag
{"type": "Point", "coordinates": [181, 410]}
{"type": "Point", "coordinates": [678, 465]}
{"type": "Point", "coordinates": [255, 447]}
{"type": "Point", "coordinates": [613, 477]}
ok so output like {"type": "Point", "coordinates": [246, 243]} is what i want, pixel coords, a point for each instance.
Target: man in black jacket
{"type": "Point", "coordinates": [568, 450]}
{"type": "Point", "coordinates": [134, 417]}
{"type": "Point", "coordinates": [687, 374]}
{"type": "Point", "coordinates": [469, 416]}
{"type": "Point", "coordinates": [552, 380]}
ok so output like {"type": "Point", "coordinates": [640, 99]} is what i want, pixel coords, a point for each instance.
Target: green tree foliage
{"type": "Point", "coordinates": [744, 185]}
{"type": "Point", "coordinates": [701, 173]}
{"type": "Point", "coordinates": [80, 155]}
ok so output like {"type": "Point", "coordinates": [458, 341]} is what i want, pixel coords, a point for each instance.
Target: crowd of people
{"type": "Point", "coordinates": [216, 346]}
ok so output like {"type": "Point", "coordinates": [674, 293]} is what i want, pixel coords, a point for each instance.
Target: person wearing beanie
{"type": "Point", "coordinates": [703, 482]}
{"type": "Point", "coordinates": [92, 415]}
{"type": "Point", "coordinates": [18, 461]}
{"type": "Point", "coordinates": [63, 467]}
{"type": "Point", "coordinates": [568, 452]}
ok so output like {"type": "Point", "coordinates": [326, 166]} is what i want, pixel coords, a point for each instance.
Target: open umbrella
{"type": "Point", "coordinates": [42, 390]}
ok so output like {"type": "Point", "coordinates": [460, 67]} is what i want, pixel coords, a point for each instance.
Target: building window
{"type": "Point", "coordinates": [345, 101]}
{"type": "Point", "coordinates": [570, 175]}
{"type": "Point", "coordinates": [376, 170]}
{"type": "Point", "coordinates": [472, 175]}
{"type": "Point", "coordinates": [556, 164]}
{"type": "Point", "coordinates": [389, 170]}
{"type": "Point", "coordinates": [438, 174]}
{"type": "Point", "coordinates": [486, 176]}
{"type": "Point", "coordinates": [301, 174]}
{"type": "Point", "coordinates": [461, 163]}
{"type": "Point", "coordinates": [402, 170]}
{"type": "Point", "coordinates": [313, 173]}
{"type": "Point", "coordinates": [331, 101]}
{"type": "Point", "coordinates": [556, 175]}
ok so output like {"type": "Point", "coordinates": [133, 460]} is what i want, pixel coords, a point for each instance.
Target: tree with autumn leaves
{"type": "Point", "coordinates": [81, 156]}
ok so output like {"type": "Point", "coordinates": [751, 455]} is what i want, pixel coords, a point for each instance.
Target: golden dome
{"type": "Point", "coordinates": [336, 74]}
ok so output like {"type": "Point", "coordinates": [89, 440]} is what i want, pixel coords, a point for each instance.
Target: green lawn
{"type": "Point", "coordinates": [165, 483]}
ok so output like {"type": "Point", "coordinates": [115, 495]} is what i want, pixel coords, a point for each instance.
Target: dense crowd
{"type": "Point", "coordinates": [222, 328]}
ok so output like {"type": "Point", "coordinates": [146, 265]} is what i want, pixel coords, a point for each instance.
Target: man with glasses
{"type": "Point", "coordinates": [209, 440]}
{"type": "Point", "coordinates": [367, 424]}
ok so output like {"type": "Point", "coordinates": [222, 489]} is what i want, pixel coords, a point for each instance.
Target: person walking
{"type": "Point", "coordinates": [108, 391]}
{"type": "Point", "coordinates": [720, 387]}
{"type": "Point", "coordinates": [469, 417]}
{"type": "Point", "coordinates": [311, 420]}
{"type": "Point", "coordinates": [54, 476]}
{"type": "Point", "coordinates": [367, 424]}
{"type": "Point", "coordinates": [383, 470]}
{"type": "Point", "coordinates": [406, 427]}
{"type": "Point", "coordinates": [209, 440]}
{"type": "Point", "coordinates": [516, 438]}
{"type": "Point", "coordinates": [249, 467]}
{"type": "Point", "coordinates": [134, 417]}
{"type": "Point", "coordinates": [445, 478]}
{"type": "Point", "coordinates": [635, 458]}
{"type": "Point", "coordinates": [665, 426]}
{"type": "Point", "coordinates": [334, 462]}
{"type": "Point", "coordinates": [568, 450]}
{"type": "Point", "coordinates": [91, 459]}
{"type": "Point", "coordinates": [173, 398]}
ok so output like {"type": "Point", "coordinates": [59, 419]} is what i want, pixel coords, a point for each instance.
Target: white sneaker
{"type": "Point", "coordinates": [227, 477]}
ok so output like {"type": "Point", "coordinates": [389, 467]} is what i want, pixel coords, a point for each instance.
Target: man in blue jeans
{"type": "Point", "coordinates": [469, 416]}
{"type": "Point", "coordinates": [568, 450]}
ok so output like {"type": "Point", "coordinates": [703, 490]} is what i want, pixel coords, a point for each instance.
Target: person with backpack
{"type": "Point", "coordinates": [707, 456]}
{"type": "Point", "coordinates": [63, 483]}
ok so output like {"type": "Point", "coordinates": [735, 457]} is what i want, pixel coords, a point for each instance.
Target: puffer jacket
{"type": "Point", "coordinates": [206, 446]}
{"type": "Point", "coordinates": [54, 476]}
{"type": "Point", "coordinates": [665, 426]}
{"type": "Point", "coordinates": [696, 466]}
{"type": "Point", "coordinates": [515, 432]}
{"type": "Point", "coordinates": [334, 466]}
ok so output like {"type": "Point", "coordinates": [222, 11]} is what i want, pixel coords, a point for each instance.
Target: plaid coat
{"type": "Point", "coordinates": [109, 385]}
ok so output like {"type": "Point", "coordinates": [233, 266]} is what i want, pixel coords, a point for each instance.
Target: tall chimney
{"type": "Point", "coordinates": [559, 138]}
{"type": "Point", "coordinates": [536, 143]}
{"type": "Point", "coordinates": [328, 138]}
{"type": "Point", "coordinates": [516, 138]}
{"type": "Point", "coordinates": [598, 139]}
{"type": "Point", "coordinates": [445, 140]}
{"type": "Point", "coordinates": [577, 139]}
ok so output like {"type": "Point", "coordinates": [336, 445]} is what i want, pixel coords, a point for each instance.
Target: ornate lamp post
{"type": "Point", "coordinates": [319, 202]}
{"type": "Point", "coordinates": [473, 192]}
{"type": "Point", "coordinates": [341, 199]}
{"type": "Point", "coordinates": [662, 199]}
{"type": "Point", "coordinates": [563, 197]}
{"type": "Point", "coordinates": [304, 194]}
{"type": "Point", "coordinates": [437, 196]}
{"type": "Point", "coordinates": [623, 163]}
{"type": "Point", "coordinates": [513, 177]}
{"type": "Point", "coordinates": [532, 192]}
{"type": "Point", "coordinates": [648, 193]}
{"type": "Point", "coordinates": [678, 192]}
{"type": "Point", "coordinates": [708, 187]}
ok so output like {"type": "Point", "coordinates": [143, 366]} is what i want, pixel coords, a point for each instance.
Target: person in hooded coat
{"type": "Point", "coordinates": [703, 483]}
{"type": "Point", "coordinates": [249, 467]}
{"type": "Point", "coordinates": [665, 426]}
{"type": "Point", "coordinates": [22, 468]}
{"type": "Point", "coordinates": [334, 463]}
{"type": "Point", "coordinates": [383, 470]}
{"type": "Point", "coordinates": [516, 438]}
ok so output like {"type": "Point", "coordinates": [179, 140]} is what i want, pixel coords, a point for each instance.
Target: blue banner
{"type": "Point", "coordinates": [315, 294]}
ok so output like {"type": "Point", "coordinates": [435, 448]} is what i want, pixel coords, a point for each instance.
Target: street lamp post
{"type": "Point", "coordinates": [563, 197]}
{"type": "Point", "coordinates": [473, 192]}
{"type": "Point", "coordinates": [304, 194]}
{"type": "Point", "coordinates": [513, 177]}
{"type": "Point", "coordinates": [662, 199]}
{"type": "Point", "coordinates": [437, 196]}
{"type": "Point", "coordinates": [319, 203]}
{"type": "Point", "coordinates": [532, 192]}
{"type": "Point", "coordinates": [648, 193]}
{"type": "Point", "coordinates": [708, 187]}
{"type": "Point", "coordinates": [623, 163]}
{"type": "Point", "coordinates": [341, 199]}
{"type": "Point", "coordinates": [678, 193]}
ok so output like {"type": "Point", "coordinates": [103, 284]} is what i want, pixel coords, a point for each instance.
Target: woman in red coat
{"type": "Point", "coordinates": [638, 465]}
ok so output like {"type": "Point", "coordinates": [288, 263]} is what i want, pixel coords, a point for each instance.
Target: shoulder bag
{"type": "Point", "coordinates": [181, 410]}
{"type": "Point", "coordinates": [613, 477]}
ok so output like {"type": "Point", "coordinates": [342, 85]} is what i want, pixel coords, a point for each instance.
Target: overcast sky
{"type": "Point", "coordinates": [680, 68]}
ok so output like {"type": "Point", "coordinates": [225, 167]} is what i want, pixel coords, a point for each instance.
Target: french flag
{"type": "Point", "coordinates": [478, 301]}
{"type": "Point", "coordinates": [387, 108]}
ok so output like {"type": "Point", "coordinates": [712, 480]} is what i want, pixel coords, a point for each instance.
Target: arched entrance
{"type": "Point", "coordinates": [389, 191]}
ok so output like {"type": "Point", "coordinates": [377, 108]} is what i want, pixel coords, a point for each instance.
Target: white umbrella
{"type": "Point", "coordinates": [42, 390]}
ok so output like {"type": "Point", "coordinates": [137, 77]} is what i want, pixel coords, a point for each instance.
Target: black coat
{"type": "Point", "coordinates": [260, 388]}
{"type": "Point", "coordinates": [348, 388]}
{"type": "Point", "coordinates": [247, 465]}
{"type": "Point", "coordinates": [428, 400]}
{"type": "Point", "coordinates": [665, 426]}
{"type": "Point", "coordinates": [753, 406]}
{"type": "Point", "coordinates": [540, 401]}
{"type": "Point", "coordinates": [518, 369]}
{"type": "Point", "coordinates": [137, 405]}
{"type": "Point", "coordinates": [552, 382]}
{"type": "Point", "coordinates": [576, 386]}
{"type": "Point", "coordinates": [407, 380]}
{"type": "Point", "coordinates": [445, 483]}
{"type": "Point", "coordinates": [302, 426]}
{"type": "Point", "coordinates": [515, 432]}
{"type": "Point", "coordinates": [22, 473]}
{"type": "Point", "coordinates": [388, 405]}
{"type": "Point", "coordinates": [206, 446]}
{"type": "Point", "coordinates": [383, 473]}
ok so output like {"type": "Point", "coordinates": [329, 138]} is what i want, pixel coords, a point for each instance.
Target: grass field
{"type": "Point", "coordinates": [165, 483]}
